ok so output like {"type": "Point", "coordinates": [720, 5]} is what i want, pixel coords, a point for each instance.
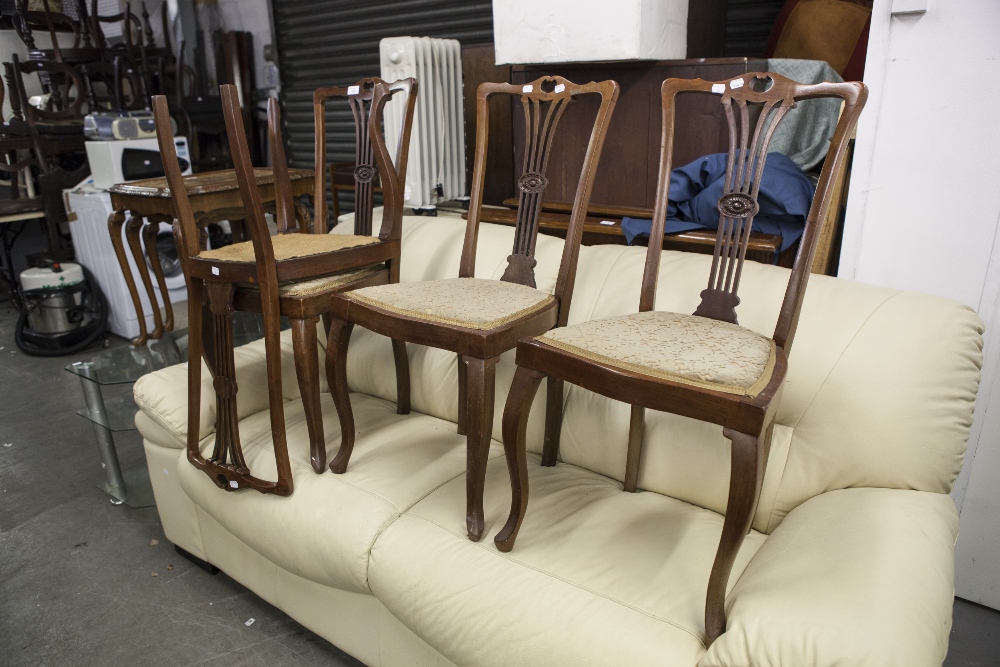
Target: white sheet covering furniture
{"type": "Point", "coordinates": [850, 561]}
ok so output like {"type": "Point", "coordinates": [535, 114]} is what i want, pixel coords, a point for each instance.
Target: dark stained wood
{"type": "Point", "coordinates": [213, 196]}
{"type": "Point", "coordinates": [542, 101]}
{"type": "Point", "coordinates": [254, 285]}
{"type": "Point", "coordinates": [478, 67]}
{"type": "Point", "coordinates": [629, 168]}
{"type": "Point", "coordinates": [747, 421]}
{"type": "Point", "coordinates": [706, 28]}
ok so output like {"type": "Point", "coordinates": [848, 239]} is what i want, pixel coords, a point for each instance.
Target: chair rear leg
{"type": "Point", "coordinates": [515, 424]}
{"type": "Point", "coordinates": [336, 374]}
{"type": "Point", "coordinates": [463, 399]}
{"type": "Point", "coordinates": [402, 377]}
{"type": "Point", "coordinates": [481, 388]}
{"type": "Point", "coordinates": [749, 455]}
{"type": "Point", "coordinates": [304, 346]}
{"type": "Point", "coordinates": [634, 455]}
{"type": "Point", "coordinates": [553, 420]}
{"type": "Point", "coordinates": [272, 361]}
{"type": "Point", "coordinates": [399, 353]}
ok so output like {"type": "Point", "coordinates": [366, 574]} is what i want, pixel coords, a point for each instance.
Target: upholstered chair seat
{"type": "Point", "coordinates": [289, 246]}
{"type": "Point", "coordinates": [472, 303]}
{"type": "Point", "coordinates": [692, 350]}
{"type": "Point", "coordinates": [299, 288]}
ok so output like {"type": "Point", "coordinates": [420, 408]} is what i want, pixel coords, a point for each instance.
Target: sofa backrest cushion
{"type": "Point", "coordinates": [880, 389]}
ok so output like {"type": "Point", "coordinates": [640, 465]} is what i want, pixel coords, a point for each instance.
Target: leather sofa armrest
{"type": "Point", "coordinates": [872, 565]}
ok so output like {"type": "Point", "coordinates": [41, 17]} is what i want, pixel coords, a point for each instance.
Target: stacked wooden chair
{"type": "Point", "coordinates": [476, 318]}
{"type": "Point", "coordinates": [292, 274]}
{"type": "Point", "coordinates": [703, 366]}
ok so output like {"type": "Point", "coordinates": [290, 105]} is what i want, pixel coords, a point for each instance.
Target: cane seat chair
{"type": "Point", "coordinates": [476, 318]}
{"type": "Point", "coordinates": [703, 366]}
{"type": "Point", "coordinates": [291, 274]}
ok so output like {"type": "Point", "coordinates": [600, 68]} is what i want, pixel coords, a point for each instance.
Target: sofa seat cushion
{"type": "Point", "coordinates": [473, 303]}
{"type": "Point", "coordinates": [860, 577]}
{"type": "Point", "coordinates": [597, 577]}
{"type": "Point", "coordinates": [288, 246]}
{"type": "Point", "coordinates": [324, 531]}
{"type": "Point", "coordinates": [303, 288]}
{"type": "Point", "coordinates": [692, 350]}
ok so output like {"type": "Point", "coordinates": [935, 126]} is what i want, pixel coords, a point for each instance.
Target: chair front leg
{"type": "Point", "coordinates": [749, 457]}
{"type": "Point", "coordinates": [481, 392]}
{"type": "Point", "coordinates": [553, 420]}
{"type": "Point", "coordinates": [304, 346]}
{"type": "Point", "coordinates": [336, 374]}
{"type": "Point", "coordinates": [196, 305]}
{"type": "Point", "coordinates": [515, 425]}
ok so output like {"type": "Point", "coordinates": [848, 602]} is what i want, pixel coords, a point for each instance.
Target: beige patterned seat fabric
{"type": "Point", "coordinates": [681, 348]}
{"type": "Point", "coordinates": [319, 285]}
{"type": "Point", "coordinates": [289, 246]}
{"type": "Point", "coordinates": [467, 302]}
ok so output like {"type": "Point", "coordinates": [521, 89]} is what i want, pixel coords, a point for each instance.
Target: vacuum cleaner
{"type": "Point", "coordinates": [62, 310]}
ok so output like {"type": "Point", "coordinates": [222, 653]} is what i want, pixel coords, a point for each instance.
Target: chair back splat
{"type": "Point", "coordinates": [543, 102]}
{"type": "Point", "coordinates": [362, 97]}
{"type": "Point", "coordinates": [754, 106]}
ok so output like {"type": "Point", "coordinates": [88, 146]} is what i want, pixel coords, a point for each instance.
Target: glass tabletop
{"type": "Point", "coordinates": [126, 364]}
{"type": "Point", "coordinates": [119, 413]}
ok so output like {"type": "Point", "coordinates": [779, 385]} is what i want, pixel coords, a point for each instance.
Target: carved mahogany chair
{"type": "Point", "coordinates": [703, 366]}
{"type": "Point", "coordinates": [480, 319]}
{"type": "Point", "coordinates": [290, 274]}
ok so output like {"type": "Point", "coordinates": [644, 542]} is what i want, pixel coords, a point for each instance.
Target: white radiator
{"type": "Point", "coordinates": [436, 168]}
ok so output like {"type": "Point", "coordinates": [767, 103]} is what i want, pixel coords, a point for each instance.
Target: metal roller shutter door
{"type": "Point", "coordinates": [335, 42]}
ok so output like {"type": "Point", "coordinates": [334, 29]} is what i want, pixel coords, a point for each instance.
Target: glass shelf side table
{"type": "Point", "coordinates": [125, 365]}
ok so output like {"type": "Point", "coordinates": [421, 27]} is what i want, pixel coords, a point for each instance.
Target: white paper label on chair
{"type": "Point", "coordinates": [234, 484]}
{"type": "Point", "coordinates": [527, 89]}
{"type": "Point", "coordinates": [718, 88]}
{"type": "Point", "coordinates": [353, 90]}
{"type": "Point", "coordinates": [736, 83]}
{"type": "Point", "coordinates": [215, 270]}
{"type": "Point", "coordinates": [609, 223]}
{"type": "Point", "coordinates": [561, 87]}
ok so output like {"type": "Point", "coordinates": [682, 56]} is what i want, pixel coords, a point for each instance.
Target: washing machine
{"type": "Point", "coordinates": [88, 209]}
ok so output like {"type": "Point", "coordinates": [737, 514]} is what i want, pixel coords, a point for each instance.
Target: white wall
{"type": "Point", "coordinates": [924, 210]}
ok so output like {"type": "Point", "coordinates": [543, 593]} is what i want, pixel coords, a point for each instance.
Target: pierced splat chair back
{"type": "Point", "coordinates": [754, 106]}
{"type": "Point", "coordinates": [543, 103]}
{"type": "Point", "coordinates": [367, 122]}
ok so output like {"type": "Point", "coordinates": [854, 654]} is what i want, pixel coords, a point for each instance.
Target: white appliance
{"type": "Point", "coordinates": [436, 167]}
{"type": "Point", "coordinates": [88, 209]}
{"type": "Point", "coordinates": [114, 162]}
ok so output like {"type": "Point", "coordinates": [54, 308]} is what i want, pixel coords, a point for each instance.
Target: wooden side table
{"type": "Point", "coordinates": [214, 196]}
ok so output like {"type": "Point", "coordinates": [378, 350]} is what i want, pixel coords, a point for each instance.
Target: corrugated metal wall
{"type": "Point", "coordinates": [335, 42]}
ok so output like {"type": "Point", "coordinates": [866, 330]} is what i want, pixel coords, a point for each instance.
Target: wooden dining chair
{"type": "Point", "coordinates": [703, 366]}
{"type": "Point", "coordinates": [291, 274]}
{"type": "Point", "coordinates": [480, 319]}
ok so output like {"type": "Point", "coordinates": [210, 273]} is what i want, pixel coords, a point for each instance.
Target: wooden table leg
{"type": "Point", "coordinates": [115, 223]}
{"type": "Point", "coordinates": [149, 234]}
{"type": "Point", "coordinates": [133, 229]}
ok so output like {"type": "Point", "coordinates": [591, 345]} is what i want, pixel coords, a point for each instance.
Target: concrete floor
{"type": "Point", "coordinates": [85, 582]}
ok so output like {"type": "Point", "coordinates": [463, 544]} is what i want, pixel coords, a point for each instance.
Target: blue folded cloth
{"type": "Point", "coordinates": [785, 196]}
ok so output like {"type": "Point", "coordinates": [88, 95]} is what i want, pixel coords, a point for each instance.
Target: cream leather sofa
{"type": "Point", "coordinates": [850, 561]}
